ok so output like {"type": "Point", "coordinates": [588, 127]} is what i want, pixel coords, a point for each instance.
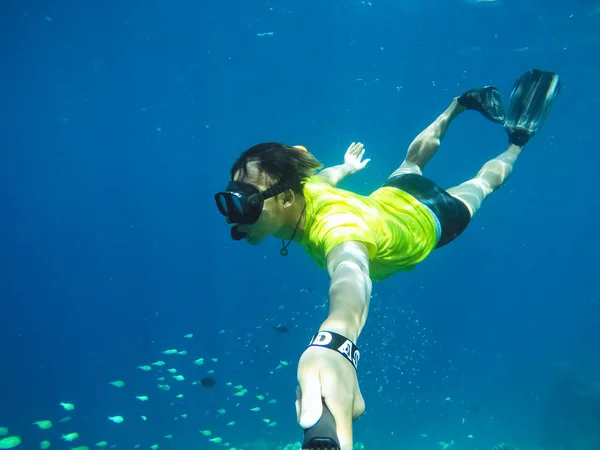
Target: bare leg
{"type": "Point", "coordinates": [424, 146]}
{"type": "Point", "coordinates": [488, 179]}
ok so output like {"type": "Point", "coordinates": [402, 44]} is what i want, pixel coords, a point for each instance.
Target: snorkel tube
{"type": "Point", "coordinates": [322, 435]}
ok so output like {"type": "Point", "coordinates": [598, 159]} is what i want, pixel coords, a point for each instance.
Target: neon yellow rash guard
{"type": "Point", "coordinates": [398, 230]}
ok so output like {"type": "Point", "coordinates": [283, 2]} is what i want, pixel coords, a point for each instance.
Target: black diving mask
{"type": "Point", "coordinates": [242, 203]}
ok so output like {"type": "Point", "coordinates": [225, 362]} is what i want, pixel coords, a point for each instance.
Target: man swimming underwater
{"type": "Point", "coordinates": [275, 191]}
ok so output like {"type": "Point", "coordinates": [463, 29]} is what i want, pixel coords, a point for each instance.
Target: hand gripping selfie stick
{"type": "Point", "coordinates": [322, 436]}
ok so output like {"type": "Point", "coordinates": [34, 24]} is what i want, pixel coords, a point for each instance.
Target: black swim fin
{"type": "Point", "coordinates": [531, 100]}
{"type": "Point", "coordinates": [486, 100]}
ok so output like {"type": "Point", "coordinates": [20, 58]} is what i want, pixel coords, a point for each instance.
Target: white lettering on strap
{"type": "Point", "coordinates": [346, 349]}
{"type": "Point", "coordinates": [322, 338]}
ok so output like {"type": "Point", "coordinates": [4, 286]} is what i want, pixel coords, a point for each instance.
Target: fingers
{"type": "Point", "coordinates": [343, 422]}
{"type": "Point", "coordinates": [308, 400]}
{"type": "Point", "coordinates": [358, 151]}
{"type": "Point", "coordinates": [354, 155]}
{"type": "Point", "coordinates": [298, 403]}
{"type": "Point", "coordinates": [358, 408]}
{"type": "Point", "coordinates": [339, 393]}
{"type": "Point", "coordinates": [355, 149]}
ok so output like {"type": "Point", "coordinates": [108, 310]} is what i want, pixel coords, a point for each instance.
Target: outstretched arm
{"type": "Point", "coordinates": [350, 289]}
{"type": "Point", "coordinates": [352, 164]}
{"type": "Point", "coordinates": [326, 376]}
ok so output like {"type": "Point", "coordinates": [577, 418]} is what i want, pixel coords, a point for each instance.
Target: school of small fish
{"type": "Point", "coordinates": [166, 377]}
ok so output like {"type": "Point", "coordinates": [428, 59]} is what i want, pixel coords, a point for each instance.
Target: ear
{"type": "Point", "coordinates": [287, 198]}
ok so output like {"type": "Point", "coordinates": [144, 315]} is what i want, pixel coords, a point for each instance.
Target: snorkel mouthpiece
{"type": "Point", "coordinates": [236, 234]}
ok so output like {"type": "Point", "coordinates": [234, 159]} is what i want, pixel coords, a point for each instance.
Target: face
{"type": "Point", "coordinates": [271, 219]}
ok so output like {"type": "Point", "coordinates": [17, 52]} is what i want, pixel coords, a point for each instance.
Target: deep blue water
{"type": "Point", "coordinates": [120, 120]}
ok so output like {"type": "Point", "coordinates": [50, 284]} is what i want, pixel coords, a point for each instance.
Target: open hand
{"type": "Point", "coordinates": [353, 157]}
{"type": "Point", "coordinates": [325, 375]}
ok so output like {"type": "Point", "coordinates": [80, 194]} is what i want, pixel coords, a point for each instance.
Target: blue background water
{"type": "Point", "coordinates": [120, 120]}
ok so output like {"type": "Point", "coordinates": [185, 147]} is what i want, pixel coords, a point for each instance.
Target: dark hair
{"type": "Point", "coordinates": [279, 162]}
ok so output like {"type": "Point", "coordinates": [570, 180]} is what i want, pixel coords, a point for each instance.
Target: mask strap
{"type": "Point", "coordinates": [277, 189]}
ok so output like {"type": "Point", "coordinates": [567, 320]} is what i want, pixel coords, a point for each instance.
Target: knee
{"type": "Point", "coordinates": [407, 167]}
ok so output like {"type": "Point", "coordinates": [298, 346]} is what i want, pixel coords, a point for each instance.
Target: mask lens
{"type": "Point", "coordinates": [236, 208]}
{"type": "Point", "coordinates": [222, 204]}
{"type": "Point", "coordinates": [229, 205]}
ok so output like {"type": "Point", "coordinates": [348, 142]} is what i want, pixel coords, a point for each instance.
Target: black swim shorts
{"type": "Point", "coordinates": [453, 215]}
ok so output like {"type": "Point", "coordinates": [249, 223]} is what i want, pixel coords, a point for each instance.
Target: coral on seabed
{"type": "Point", "coordinates": [298, 446]}
{"type": "Point", "coordinates": [263, 445]}
{"type": "Point", "coordinates": [505, 447]}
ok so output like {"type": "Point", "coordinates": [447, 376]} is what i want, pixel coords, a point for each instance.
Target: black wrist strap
{"type": "Point", "coordinates": [339, 343]}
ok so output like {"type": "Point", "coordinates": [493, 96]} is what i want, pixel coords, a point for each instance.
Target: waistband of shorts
{"type": "Point", "coordinates": [438, 224]}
